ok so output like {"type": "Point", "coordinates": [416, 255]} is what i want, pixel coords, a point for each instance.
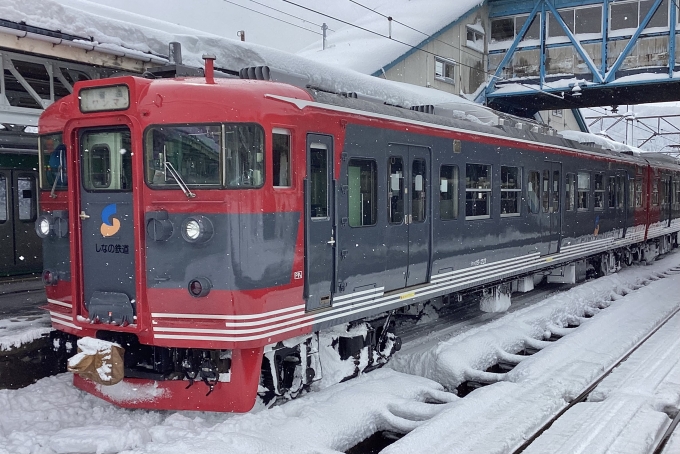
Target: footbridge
{"type": "Point", "coordinates": [566, 54]}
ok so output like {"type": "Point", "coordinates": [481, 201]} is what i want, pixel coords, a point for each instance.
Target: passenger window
{"type": "Point", "coordinates": [638, 193]}
{"type": "Point", "coordinates": [318, 180]}
{"type": "Point", "coordinates": [395, 192]}
{"type": "Point", "coordinates": [546, 191]}
{"type": "Point", "coordinates": [448, 192]}
{"type": "Point", "coordinates": [477, 191]}
{"type": "Point", "coordinates": [534, 192]}
{"type": "Point", "coordinates": [583, 190]}
{"type": "Point", "coordinates": [26, 193]}
{"type": "Point", "coordinates": [363, 192]}
{"type": "Point", "coordinates": [599, 191]}
{"type": "Point", "coordinates": [3, 199]}
{"type": "Point", "coordinates": [511, 190]}
{"type": "Point", "coordinates": [620, 191]}
{"type": "Point", "coordinates": [281, 157]}
{"type": "Point", "coordinates": [612, 192]}
{"type": "Point", "coordinates": [571, 192]}
{"type": "Point", "coordinates": [418, 190]}
{"type": "Point", "coordinates": [655, 192]}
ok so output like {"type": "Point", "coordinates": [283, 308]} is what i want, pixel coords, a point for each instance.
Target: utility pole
{"type": "Point", "coordinates": [324, 27]}
{"type": "Point", "coordinates": [241, 34]}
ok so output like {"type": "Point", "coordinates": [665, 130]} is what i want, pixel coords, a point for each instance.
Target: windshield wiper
{"type": "Point", "coordinates": [182, 185]}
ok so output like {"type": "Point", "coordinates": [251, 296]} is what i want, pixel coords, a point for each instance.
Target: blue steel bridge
{"type": "Point", "coordinates": [566, 54]}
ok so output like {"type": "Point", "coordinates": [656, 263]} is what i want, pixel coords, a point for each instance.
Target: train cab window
{"type": "Point", "coordinates": [193, 152]}
{"type": "Point", "coordinates": [511, 190]}
{"type": "Point", "coordinates": [534, 192]}
{"type": "Point", "coordinates": [418, 190]}
{"type": "Point", "coordinates": [244, 156]}
{"type": "Point", "coordinates": [281, 157]}
{"type": "Point", "coordinates": [3, 199]}
{"type": "Point", "coordinates": [570, 199]}
{"type": "Point", "coordinates": [599, 191]}
{"type": "Point", "coordinates": [477, 191]}
{"type": "Point", "coordinates": [395, 192]}
{"type": "Point", "coordinates": [448, 192]}
{"type": "Point", "coordinates": [655, 192]}
{"type": "Point", "coordinates": [363, 192]}
{"type": "Point", "coordinates": [107, 160]}
{"type": "Point", "coordinates": [27, 198]}
{"type": "Point", "coordinates": [583, 190]}
{"type": "Point", "coordinates": [52, 157]}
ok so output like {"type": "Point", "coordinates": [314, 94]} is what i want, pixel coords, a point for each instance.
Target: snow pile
{"type": "Point", "coordinates": [117, 33]}
{"type": "Point", "coordinates": [607, 144]}
{"type": "Point", "coordinates": [17, 331]}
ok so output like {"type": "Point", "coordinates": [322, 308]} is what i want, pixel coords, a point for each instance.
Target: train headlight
{"type": "Point", "coordinates": [197, 229]}
{"type": "Point", "coordinates": [43, 225]}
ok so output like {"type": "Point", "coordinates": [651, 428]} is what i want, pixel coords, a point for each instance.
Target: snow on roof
{"type": "Point", "coordinates": [607, 144]}
{"type": "Point", "coordinates": [112, 27]}
{"type": "Point", "coordinates": [351, 47]}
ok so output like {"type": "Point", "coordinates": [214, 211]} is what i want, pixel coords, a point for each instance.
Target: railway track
{"type": "Point", "coordinates": [662, 439]}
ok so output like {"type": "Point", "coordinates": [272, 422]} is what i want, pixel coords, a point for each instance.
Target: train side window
{"type": "Point", "coordinates": [638, 193]}
{"type": "Point", "coordinates": [477, 191]}
{"type": "Point", "coordinates": [3, 199]}
{"type": "Point", "coordinates": [448, 192]}
{"type": "Point", "coordinates": [545, 200]}
{"type": "Point", "coordinates": [395, 192]}
{"type": "Point", "coordinates": [244, 156]}
{"type": "Point", "coordinates": [418, 190]}
{"type": "Point", "coordinates": [655, 192]}
{"type": "Point", "coordinates": [583, 190]}
{"type": "Point", "coordinates": [534, 192]}
{"type": "Point", "coordinates": [511, 190]}
{"type": "Point", "coordinates": [570, 199]}
{"type": "Point", "coordinates": [281, 157]}
{"type": "Point", "coordinates": [599, 191]}
{"type": "Point", "coordinates": [26, 193]}
{"type": "Point", "coordinates": [363, 192]}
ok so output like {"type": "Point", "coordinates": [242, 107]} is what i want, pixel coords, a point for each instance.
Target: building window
{"type": "Point", "coordinates": [629, 15]}
{"type": "Point", "coordinates": [599, 191]}
{"type": "Point", "coordinates": [448, 192]}
{"type": "Point", "coordinates": [475, 37]}
{"type": "Point", "coordinates": [511, 189]}
{"type": "Point", "coordinates": [444, 70]}
{"type": "Point", "coordinates": [588, 20]}
{"type": "Point", "coordinates": [502, 29]}
{"type": "Point", "coordinates": [363, 192]}
{"type": "Point", "coordinates": [396, 190]}
{"type": "Point", "coordinates": [583, 190]}
{"type": "Point", "coordinates": [534, 191]}
{"type": "Point", "coordinates": [281, 157]}
{"type": "Point", "coordinates": [477, 191]}
{"type": "Point", "coordinates": [534, 30]}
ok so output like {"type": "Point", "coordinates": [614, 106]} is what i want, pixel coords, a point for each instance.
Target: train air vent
{"type": "Point", "coordinates": [274, 75]}
{"type": "Point", "coordinates": [426, 108]}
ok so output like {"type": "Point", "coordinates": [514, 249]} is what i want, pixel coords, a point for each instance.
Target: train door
{"type": "Point", "coordinates": [410, 210]}
{"type": "Point", "coordinates": [320, 229]}
{"type": "Point", "coordinates": [618, 202]}
{"type": "Point", "coordinates": [552, 204]}
{"type": "Point", "coordinates": [21, 250]}
{"type": "Point", "coordinates": [106, 216]}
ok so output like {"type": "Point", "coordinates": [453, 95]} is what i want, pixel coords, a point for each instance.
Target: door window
{"type": "Point", "coordinates": [545, 201]}
{"type": "Point", "coordinates": [3, 199]}
{"type": "Point", "coordinates": [570, 199]}
{"type": "Point", "coordinates": [281, 157]}
{"type": "Point", "coordinates": [418, 190]}
{"type": "Point", "coordinates": [583, 190]}
{"type": "Point", "coordinates": [599, 191]}
{"type": "Point", "coordinates": [534, 191]}
{"type": "Point", "coordinates": [395, 192]}
{"type": "Point", "coordinates": [555, 206]}
{"type": "Point", "coordinates": [318, 180]}
{"type": "Point", "coordinates": [26, 194]}
{"type": "Point", "coordinates": [107, 160]}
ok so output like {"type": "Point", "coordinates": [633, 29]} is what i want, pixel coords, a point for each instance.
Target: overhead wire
{"type": "Point", "coordinates": [288, 14]}
{"type": "Point", "coordinates": [272, 17]}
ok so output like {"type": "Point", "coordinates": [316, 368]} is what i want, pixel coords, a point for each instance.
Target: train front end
{"type": "Point", "coordinates": [161, 234]}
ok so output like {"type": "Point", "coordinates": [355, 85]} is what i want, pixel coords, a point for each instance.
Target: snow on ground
{"type": "Point", "coordinates": [52, 416]}
{"type": "Point", "coordinates": [19, 330]}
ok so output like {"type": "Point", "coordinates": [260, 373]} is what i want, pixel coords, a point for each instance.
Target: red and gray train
{"type": "Point", "coordinates": [213, 226]}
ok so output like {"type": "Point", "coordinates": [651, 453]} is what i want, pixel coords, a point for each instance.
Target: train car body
{"type": "Point", "coordinates": [20, 250]}
{"type": "Point", "coordinates": [213, 226]}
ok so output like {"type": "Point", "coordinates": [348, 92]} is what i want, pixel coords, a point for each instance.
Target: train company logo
{"type": "Point", "coordinates": [110, 224]}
